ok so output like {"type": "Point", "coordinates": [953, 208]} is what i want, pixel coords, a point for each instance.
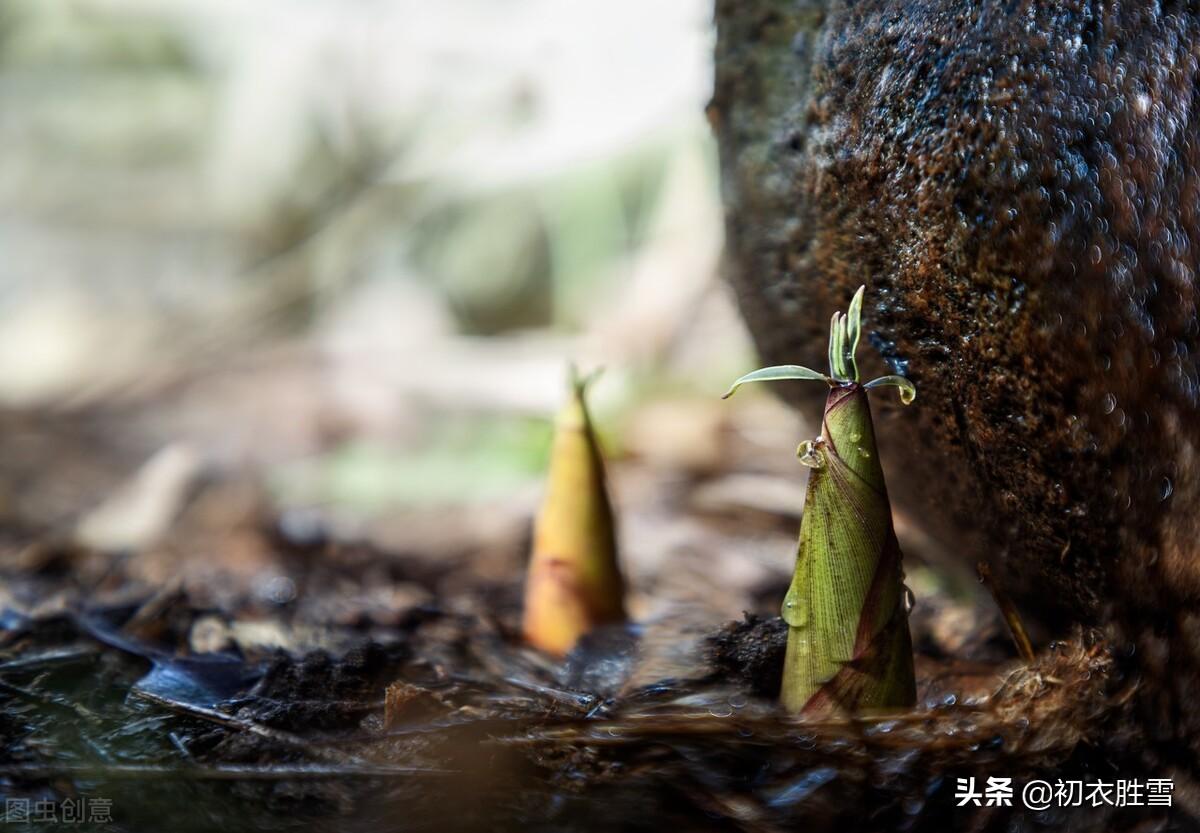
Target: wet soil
{"type": "Point", "coordinates": [439, 719]}
{"type": "Point", "coordinates": [263, 668]}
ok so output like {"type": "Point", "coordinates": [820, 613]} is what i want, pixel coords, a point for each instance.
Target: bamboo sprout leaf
{"type": "Point", "coordinates": [908, 391]}
{"type": "Point", "coordinates": [843, 353]}
{"type": "Point", "coordinates": [834, 360]}
{"type": "Point", "coordinates": [775, 374]}
{"type": "Point", "coordinates": [854, 330]}
{"type": "Point", "coordinates": [580, 382]}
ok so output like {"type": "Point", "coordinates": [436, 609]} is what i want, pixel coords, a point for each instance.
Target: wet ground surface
{"type": "Point", "coordinates": [441, 720]}
{"type": "Point", "coordinates": [260, 668]}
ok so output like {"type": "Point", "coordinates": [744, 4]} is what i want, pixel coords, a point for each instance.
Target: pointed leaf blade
{"type": "Point", "coordinates": [908, 391]}
{"type": "Point", "coordinates": [854, 330]}
{"type": "Point", "coordinates": [777, 373]}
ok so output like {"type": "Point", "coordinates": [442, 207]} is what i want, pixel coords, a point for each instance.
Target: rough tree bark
{"type": "Point", "coordinates": [1017, 184]}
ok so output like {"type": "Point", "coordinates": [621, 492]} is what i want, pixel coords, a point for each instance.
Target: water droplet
{"type": "Point", "coordinates": [864, 452]}
{"type": "Point", "coordinates": [855, 436]}
{"type": "Point", "coordinates": [1094, 254]}
{"type": "Point", "coordinates": [810, 454]}
{"type": "Point", "coordinates": [1165, 488]}
{"type": "Point", "coordinates": [721, 711]}
{"type": "Point", "coordinates": [281, 590]}
{"type": "Point", "coordinates": [738, 701]}
{"type": "Point", "coordinates": [1109, 403]}
{"type": "Point", "coordinates": [910, 599]}
{"type": "Point", "coordinates": [794, 611]}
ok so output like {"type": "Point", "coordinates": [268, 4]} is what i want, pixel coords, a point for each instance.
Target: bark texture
{"type": "Point", "coordinates": [1017, 183]}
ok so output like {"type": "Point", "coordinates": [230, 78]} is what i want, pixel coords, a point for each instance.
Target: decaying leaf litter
{"type": "Point", "coordinates": [443, 705]}
{"type": "Point", "coordinates": [266, 671]}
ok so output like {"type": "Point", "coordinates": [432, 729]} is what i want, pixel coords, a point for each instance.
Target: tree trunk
{"type": "Point", "coordinates": [1017, 185]}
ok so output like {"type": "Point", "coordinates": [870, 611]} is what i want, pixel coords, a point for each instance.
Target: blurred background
{"type": "Point", "coordinates": [440, 203]}
{"type": "Point", "coordinates": [329, 261]}
{"type": "Point", "coordinates": [342, 252]}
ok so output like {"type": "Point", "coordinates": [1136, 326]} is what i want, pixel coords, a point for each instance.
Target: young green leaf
{"type": "Point", "coordinates": [908, 391]}
{"type": "Point", "coordinates": [835, 361]}
{"type": "Point", "coordinates": [854, 317]}
{"type": "Point", "coordinates": [775, 374]}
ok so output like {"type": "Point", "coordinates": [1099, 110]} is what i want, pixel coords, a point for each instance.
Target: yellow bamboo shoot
{"type": "Point", "coordinates": [574, 581]}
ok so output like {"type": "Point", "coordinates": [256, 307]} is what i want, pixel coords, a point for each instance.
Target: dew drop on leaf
{"type": "Point", "coordinates": [795, 610]}
{"type": "Point", "coordinates": [811, 455]}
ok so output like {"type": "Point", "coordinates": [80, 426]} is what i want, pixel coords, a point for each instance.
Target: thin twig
{"type": "Point", "coordinates": [231, 722]}
{"type": "Point", "coordinates": [31, 696]}
{"type": "Point", "coordinates": [227, 720]}
{"type": "Point", "coordinates": [61, 655]}
{"type": "Point", "coordinates": [1015, 626]}
{"type": "Point", "coordinates": [219, 772]}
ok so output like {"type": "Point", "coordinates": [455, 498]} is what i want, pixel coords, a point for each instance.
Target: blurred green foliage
{"type": "Point", "coordinates": [470, 458]}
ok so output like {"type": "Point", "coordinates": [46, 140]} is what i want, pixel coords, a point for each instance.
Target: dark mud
{"type": "Point", "coordinates": [443, 721]}
{"type": "Point", "coordinates": [258, 671]}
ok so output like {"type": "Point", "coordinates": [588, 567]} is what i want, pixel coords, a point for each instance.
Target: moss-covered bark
{"type": "Point", "coordinates": [1019, 185]}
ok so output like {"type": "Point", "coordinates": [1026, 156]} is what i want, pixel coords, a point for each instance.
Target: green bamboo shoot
{"type": "Point", "coordinates": [848, 646]}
